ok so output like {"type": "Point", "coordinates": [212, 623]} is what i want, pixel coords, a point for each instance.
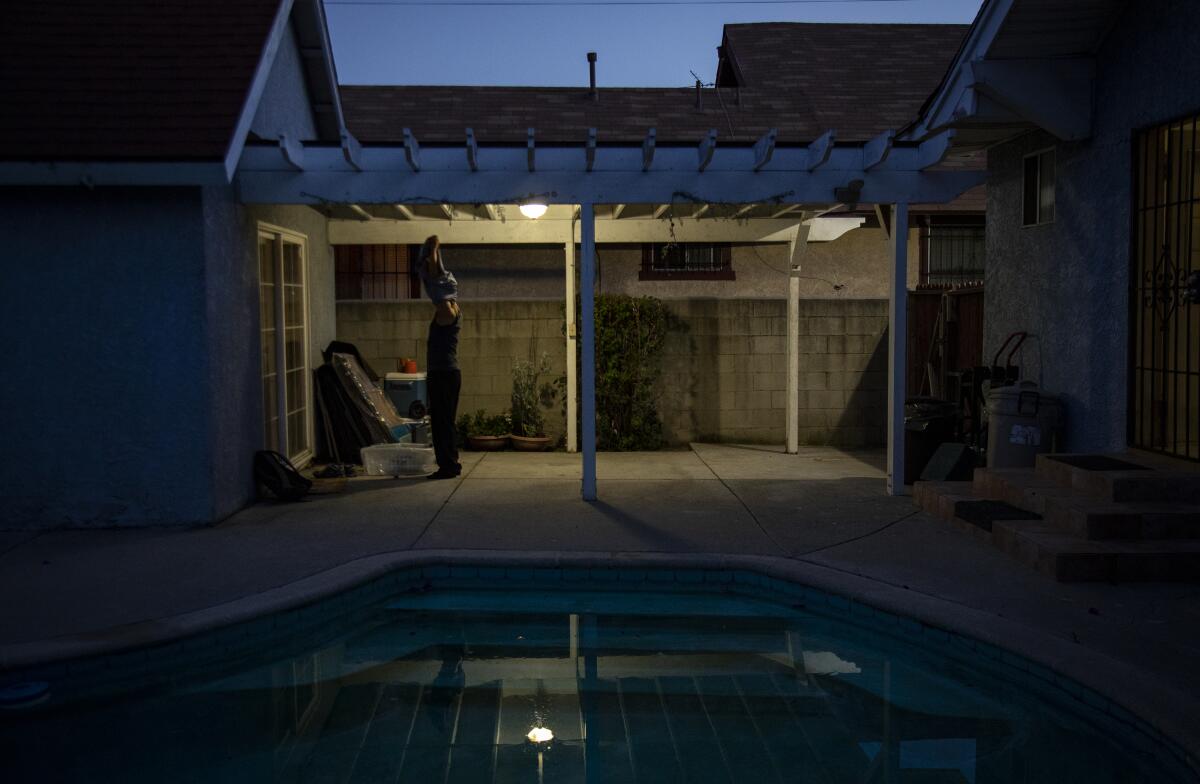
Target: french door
{"type": "Point", "coordinates": [283, 324]}
{"type": "Point", "coordinates": [1165, 281]}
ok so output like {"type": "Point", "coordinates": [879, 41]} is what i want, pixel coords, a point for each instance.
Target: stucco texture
{"type": "Point", "coordinates": [1066, 282]}
{"type": "Point", "coordinates": [106, 399]}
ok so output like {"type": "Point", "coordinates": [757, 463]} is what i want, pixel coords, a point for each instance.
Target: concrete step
{"type": "Point", "coordinates": [1068, 558]}
{"type": "Point", "coordinates": [1090, 519]}
{"type": "Point", "coordinates": [1159, 483]}
{"type": "Point", "coordinates": [938, 498]}
{"type": "Point", "coordinates": [1021, 487]}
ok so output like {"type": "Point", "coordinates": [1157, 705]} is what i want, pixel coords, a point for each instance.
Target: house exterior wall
{"type": "Point", "coordinates": [231, 283]}
{"type": "Point", "coordinates": [103, 305]}
{"type": "Point", "coordinates": [723, 374]}
{"type": "Point", "coordinates": [285, 107]}
{"type": "Point", "coordinates": [1067, 282]}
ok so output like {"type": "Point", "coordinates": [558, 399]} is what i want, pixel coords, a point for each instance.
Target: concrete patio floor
{"type": "Point", "coordinates": [824, 512]}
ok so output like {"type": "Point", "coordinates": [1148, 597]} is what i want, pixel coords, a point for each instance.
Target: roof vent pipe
{"type": "Point", "coordinates": [699, 99]}
{"type": "Point", "coordinates": [592, 91]}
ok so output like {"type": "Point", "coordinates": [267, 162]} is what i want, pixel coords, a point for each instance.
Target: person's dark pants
{"type": "Point", "coordinates": [444, 386]}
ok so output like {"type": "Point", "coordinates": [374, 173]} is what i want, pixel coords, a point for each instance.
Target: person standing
{"type": "Point", "coordinates": [441, 360]}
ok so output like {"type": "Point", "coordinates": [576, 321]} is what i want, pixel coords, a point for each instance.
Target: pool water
{"type": "Point", "coordinates": [448, 686]}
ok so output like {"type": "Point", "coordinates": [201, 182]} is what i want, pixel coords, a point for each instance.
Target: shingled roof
{"type": "Point", "coordinates": [799, 78]}
{"type": "Point", "coordinates": [128, 80]}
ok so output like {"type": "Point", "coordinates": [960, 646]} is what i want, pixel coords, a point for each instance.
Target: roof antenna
{"type": "Point", "coordinates": [699, 98]}
{"type": "Point", "coordinates": [593, 92]}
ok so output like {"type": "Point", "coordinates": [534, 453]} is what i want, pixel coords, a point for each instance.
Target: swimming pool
{"type": "Point", "coordinates": [454, 681]}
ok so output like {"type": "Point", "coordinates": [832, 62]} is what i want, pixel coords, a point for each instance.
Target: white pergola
{"type": "Point", "coordinates": [791, 182]}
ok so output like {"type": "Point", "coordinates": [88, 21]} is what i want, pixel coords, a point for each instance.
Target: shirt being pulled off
{"type": "Point", "coordinates": [442, 347]}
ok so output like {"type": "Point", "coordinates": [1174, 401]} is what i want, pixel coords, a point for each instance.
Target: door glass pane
{"type": "Point", "coordinates": [1046, 187]}
{"type": "Point", "coordinates": [267, 270]}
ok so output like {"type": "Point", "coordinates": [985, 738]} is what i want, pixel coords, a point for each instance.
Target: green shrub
{"type": "Point", "coordinates": [630, 332]}
{"type": "Point", "coordinates": [531, 395]}
{"type": "Point", "coordinates": [481, 424]}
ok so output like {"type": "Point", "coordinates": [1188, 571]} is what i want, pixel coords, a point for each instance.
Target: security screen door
{"type": "Point", "coordinates": [1165, 281]}
{"type": "Point", "coordinates": [283, 324]}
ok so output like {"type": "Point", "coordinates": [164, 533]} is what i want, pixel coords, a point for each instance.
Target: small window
{"type": "Point", "coordinates": [374, 272]}
{"type": "Point", "coordinates": [686, 261]}
{"type": "Point", "coordinates": [954, 252]}
{"type": "Point", "coordinates": [1039, 188]}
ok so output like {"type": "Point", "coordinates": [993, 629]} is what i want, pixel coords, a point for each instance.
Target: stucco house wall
{"type": "Point", "coordinates": [107, 398]}
{"type": "Point", "coordinates": [1067, 282]}
{"type": "Point", "coordinates": [285, 106]}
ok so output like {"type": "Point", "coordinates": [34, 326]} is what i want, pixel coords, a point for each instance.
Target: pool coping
{"type": "Point", "coordinates": [1119, 688]}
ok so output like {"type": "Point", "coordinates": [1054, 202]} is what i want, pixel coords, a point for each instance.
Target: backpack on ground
{"type": "Point", "coordinates": [280, 476]}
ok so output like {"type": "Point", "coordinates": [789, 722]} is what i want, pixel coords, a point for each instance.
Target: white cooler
{"type": "Point", "coordinates": [1023, 422]}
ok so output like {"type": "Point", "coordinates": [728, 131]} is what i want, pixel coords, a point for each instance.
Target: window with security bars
{"type": "Point", "coordinates": [687, 261]}
{"type": "Point", "coordinates": [375, 272]}
{"type": "Point", "coordinates": [953, 254]}
{"type": "Point", "coordinates": [1164, 382]}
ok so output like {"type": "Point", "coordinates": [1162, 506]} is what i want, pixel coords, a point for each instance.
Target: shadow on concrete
{"type": "Point", "coordinates": [635, 525]}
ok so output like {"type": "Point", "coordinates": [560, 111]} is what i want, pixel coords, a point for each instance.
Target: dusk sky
{"type": "Point", "coordinates": [398, 42]}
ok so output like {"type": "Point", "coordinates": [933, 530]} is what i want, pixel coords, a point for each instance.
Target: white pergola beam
{"type": "Point", "coordinates": [785, 210]}
{"type": "Point", "coordinates": [387, 177]}
{"type": "Point", "coordinates": [548, 231]}
{"type": "Point", "coordinates": [361, 213]}
{"type": "Point", "coordinates": [708, 145]}
{"type": "Point", "coordinates": [821, 150]}
{"type": "Point", "coordinates": [587, 313]}
{"type": "Point", "coordinates": [472, 151]}
{"type": "Point", "coordinates": [704, 208]}
{"type": "Point", "coordinates": [351, 151]}
{"type": "Point", "coordinates": [492, 212]}
{"type": "Point", "coordinates": [934, 150]}
{"type": "Point", "coordinates": [412, 151]}
{"type": "Point", "coordinates": [617, 210]}
{"type": "Point", "coordinates": [648, 149]}
{"type": "Point", "coordinates": [661, 210]}
{"type": "Point", "coordinates": [404, 211]}
{"type": "Point", "coordinates": [448, 211]}
{"type": "Point", "coordinates": [745, 210]}
{"type": "Point", "coordinates": [572, 330]}
{"type": "Point", "coordinates": [877, 150]}
{"type": "Point", "coordinates": [764, 148]}
{"type": "Point", "coordinates": [897, 350]}
{"type": "Point", "coordinates": [292, 152]}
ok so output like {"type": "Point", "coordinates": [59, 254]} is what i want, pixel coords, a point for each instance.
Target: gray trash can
{"type": "Point", "coordinates": [1023, 422]}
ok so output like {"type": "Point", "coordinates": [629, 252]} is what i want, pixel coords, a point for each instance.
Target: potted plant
{"type": "Point", "coordinates": [530, 397]}
{"type": "Point", "coordinates": [485, 433]}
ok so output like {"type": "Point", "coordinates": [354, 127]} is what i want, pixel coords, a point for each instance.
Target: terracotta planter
{"type": "Point", "coordinates": [530, 443]}
{"type": "Point", "coordinates": [487, 443]}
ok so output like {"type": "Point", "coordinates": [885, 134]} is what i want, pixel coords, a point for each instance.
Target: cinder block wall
{"type": "Point", "coordinates": [724, 371]}
{"type": "Point", "coordinates": [724, 376]}
{"type": "Point", "coordinates": [494, 334]}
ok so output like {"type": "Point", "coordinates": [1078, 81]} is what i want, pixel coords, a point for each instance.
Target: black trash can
{"type": "Point", "coordinates": [928, 423]}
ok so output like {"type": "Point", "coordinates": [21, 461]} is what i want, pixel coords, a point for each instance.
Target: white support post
{"type": "Point", "coordinates": [572, 337]}
{"type": "Point", "coordinates": [792, 414]}
{"type": "Point", "coordinates": [897, 350]}
{"type": "Point", "coordinates": [587, 308]}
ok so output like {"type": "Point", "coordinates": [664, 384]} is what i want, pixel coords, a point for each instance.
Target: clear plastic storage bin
{"type": "Point", "coordinates": [397, 459]}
